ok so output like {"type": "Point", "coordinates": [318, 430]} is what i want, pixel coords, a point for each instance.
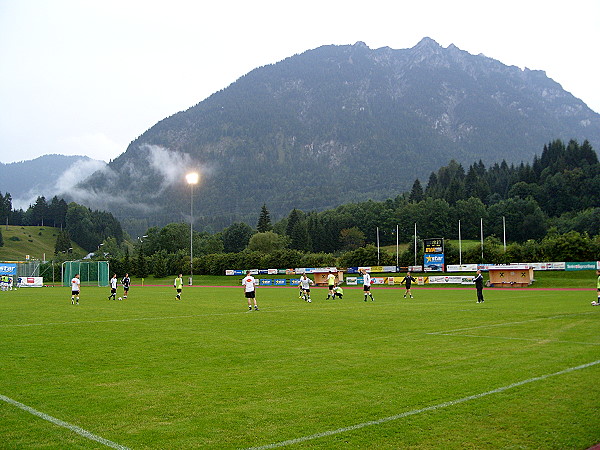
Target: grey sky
{"type": "Point", "coordinates": [87, 78]}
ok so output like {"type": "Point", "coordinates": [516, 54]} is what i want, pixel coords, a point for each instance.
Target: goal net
{"type": "Point", "coordinates": [91, 273]}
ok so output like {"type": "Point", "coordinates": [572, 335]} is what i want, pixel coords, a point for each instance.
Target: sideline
{"type": "Point", "coordinates": [377, 286]}
{"type": "Point", "coordinates": [422, 410]}
{"type": "Point", "coordinates": [86, 434]}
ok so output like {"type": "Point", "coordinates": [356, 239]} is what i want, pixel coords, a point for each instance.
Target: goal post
{"type": "Point", "coordinates": [91, 273]}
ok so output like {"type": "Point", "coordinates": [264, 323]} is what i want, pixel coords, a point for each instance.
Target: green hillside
{"type": "Point", "coordinates": [37, 242]}
{"type": "Point", "coordinates": [405, 111]}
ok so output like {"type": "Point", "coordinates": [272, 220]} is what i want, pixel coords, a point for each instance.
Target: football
{"type": "Point", "coordinates": [120, 298]}
{"type": "Point", "coordinates": [594, 303]}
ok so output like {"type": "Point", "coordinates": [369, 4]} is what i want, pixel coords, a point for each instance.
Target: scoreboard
{"type": "Point", "coordinates": [433, 255]}
{"type": "Point", "coordinates": [434, 245]}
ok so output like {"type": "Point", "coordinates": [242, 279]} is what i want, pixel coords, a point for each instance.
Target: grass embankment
{"type": "Point", "coordinates": [36, 242]}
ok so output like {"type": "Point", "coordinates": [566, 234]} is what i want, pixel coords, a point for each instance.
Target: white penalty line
{"type": "Point", "coordinates": [62, 423]}
{"type": "Point", "coordinates": [422, 410]}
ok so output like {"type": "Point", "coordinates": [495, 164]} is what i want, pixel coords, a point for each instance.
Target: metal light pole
{"type": "Point", "coordinates": [504, 231]}
{"type": "Point", "coordinates": [377, 245]}
{"type": "Point", "coordinates": [415, 243]}
{"type": "Point", "coordinates": [459, 245]}
{"type": "Point", "coordinates": [397, 246]}
{"type": "Point", "coordinates": [481, 240]}
{"type": "Point", "coordinates": [192, 179]}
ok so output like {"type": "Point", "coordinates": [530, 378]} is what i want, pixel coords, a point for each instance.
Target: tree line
{"type": "Point", "coordinates": [527, 203]}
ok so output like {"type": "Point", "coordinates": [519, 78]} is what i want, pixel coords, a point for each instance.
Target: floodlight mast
{"type": "Point", "coordinates": [192, 178]}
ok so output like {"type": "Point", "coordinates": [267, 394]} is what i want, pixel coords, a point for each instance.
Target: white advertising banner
{"type": "Point", "coordinates": [461, 268]}
{"type": "Point", "coordinates": [548, 265]}
{"type": "Point", "coordinates": [454, 279]}
{"type": "Point", "coordinates": [30, 282]}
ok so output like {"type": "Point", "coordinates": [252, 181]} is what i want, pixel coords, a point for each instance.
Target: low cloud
{"type": "Point", "coordinates": [152, 163]}
{"type": "Point", "coordinates": [64, 184]}
{"type": "Point", "coordinates": [80, 170]}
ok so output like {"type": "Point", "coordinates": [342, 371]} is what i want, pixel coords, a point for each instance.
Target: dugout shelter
{"type": "Point", "coordinates": [321, 276]}
{"type": "Point", "coordinates": [510, 276]}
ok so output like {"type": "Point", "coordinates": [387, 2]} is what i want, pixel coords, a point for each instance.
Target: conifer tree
{"type": "Point", "coordinates": [63, 242]}
{"type": "Point", "coordinates": [264, 221]}
{"type": "Point", "coordinates": [293, 219]}
{"type": "Point", "coordinates": [416, 193]}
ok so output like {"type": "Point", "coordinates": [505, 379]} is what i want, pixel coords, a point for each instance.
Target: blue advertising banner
{"type": "Point", "coordinates": [433, 262]}
{"type": "Point", "coordinates": [8, 269]}
{"type": "Point", "coordinates": [280, 281]}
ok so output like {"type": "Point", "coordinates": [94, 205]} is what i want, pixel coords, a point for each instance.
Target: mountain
{"type": "Point", "coordinates": [337, 124]}
{"type": "Point", "coordinates": [47, 176]}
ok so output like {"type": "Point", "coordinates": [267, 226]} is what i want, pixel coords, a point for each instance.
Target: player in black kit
{"type": "Point", "coordinates": [408, 279]}
{"type": "Point", "coordinates": [478, 279]}
{"type": "Point", "coordinates": [126, 282]}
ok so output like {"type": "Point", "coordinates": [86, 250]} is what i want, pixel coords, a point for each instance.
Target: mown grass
{"type": "Point", "coordinates": [153, 372]}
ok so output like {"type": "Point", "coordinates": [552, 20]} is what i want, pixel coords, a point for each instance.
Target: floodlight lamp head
{"type": "Point", "coordinates": [192, 178]}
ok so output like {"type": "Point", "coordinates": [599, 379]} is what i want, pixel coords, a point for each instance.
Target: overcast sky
{"type": "Point", "coordinates": [82, 77]}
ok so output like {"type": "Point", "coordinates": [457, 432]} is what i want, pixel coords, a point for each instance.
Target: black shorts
{"type": "Point", "coordinates": [113, 290]}
{"type": "Point", "coordinates": [125, 288]}
{"type": "Point", "coordinates": [331, 286]}
{"type": "Point", "coordinates": [366, 288]}
{"type": "Point", "coordinates": [74, 292]}
{"type": "Point", "coordinates": [179, 291]}
{"type": "Point", "coordinates": [307, 290]}
{"type": "Point", "coordinates": [250, 294]}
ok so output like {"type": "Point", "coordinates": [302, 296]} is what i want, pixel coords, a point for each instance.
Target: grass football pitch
{"type": "Point", "coordinates": [521, 370]}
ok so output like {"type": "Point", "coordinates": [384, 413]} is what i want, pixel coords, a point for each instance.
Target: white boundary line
{"type": "Point", "coordinates": [61, 423]}
{"type": "Point", "coordinates": [558, 341]}
{"type": "Point", "coordinates": [422, 410]}
{"type": "Point", "coordinates": [503, 324]}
